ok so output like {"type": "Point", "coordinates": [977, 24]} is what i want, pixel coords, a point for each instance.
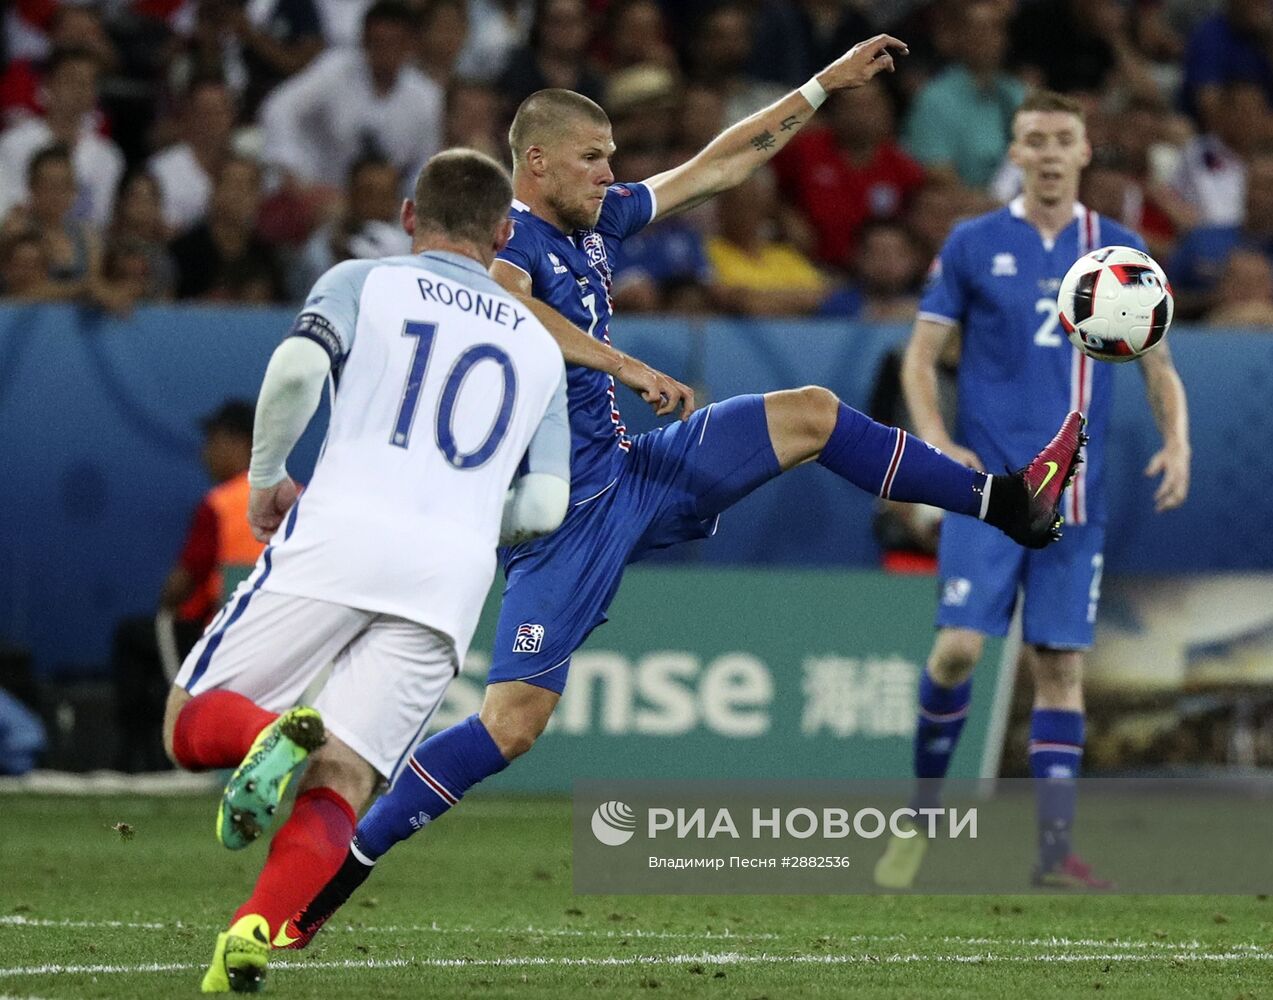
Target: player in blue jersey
{"type": "Point", "coordinates": [630, 495]}
{"type": "Point", "coordinates": [997, 279]}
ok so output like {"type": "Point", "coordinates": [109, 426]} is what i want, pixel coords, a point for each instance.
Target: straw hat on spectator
{"type": "Point", "coordinates": [639, 87]}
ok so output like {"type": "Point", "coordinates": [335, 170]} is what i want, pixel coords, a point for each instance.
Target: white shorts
{"type": "Point", "coordinates": [388, 674]}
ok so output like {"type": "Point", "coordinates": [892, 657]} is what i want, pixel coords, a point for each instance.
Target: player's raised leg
{"type": "Point", "coordinates": [220, 729]}
{"type": "Point", "coordinates": [214, 729]}
{"type": "Point", "coordinates": [256, 787]}
{"type": "Point", "coordinates": [221, 711]}
{"type": "Point", "coordinates": [811, 423]}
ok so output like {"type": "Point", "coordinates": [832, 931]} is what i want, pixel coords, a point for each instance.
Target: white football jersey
{"type": "Point", "coordinates": [441, 381]}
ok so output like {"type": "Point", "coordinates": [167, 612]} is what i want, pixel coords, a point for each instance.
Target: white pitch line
{"type": "Point", "coordinates": [1064, 942]}
{"type": "Point", "coordinates": [1194, 945]}
{"type": "Point", "coordinates": [704, 958]}
{"type": "Point", "coordinates": [567, 932]}
{"type": "Point", "coordinates": [17, 920]}
{"type": "Point", "coordinates": [50, 969]}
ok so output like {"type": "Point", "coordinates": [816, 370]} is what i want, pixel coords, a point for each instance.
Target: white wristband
{"type": "Point", "coordinates": [814, 93]}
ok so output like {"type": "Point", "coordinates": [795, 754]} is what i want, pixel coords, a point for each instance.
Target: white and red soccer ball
{"type": "Point", "coordinates": [1115, 303]}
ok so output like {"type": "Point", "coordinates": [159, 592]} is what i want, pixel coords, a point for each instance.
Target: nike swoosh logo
{"type": "Point", "coordinates": [1052, 467]}
{"type": "Point", "coordinates": [282, 940]}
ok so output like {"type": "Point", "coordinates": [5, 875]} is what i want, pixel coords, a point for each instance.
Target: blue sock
{"type": "Point", "coordinates": [1056, 753]}
{"type": "Point", "coordinates": [892, 464]}
{"type": "Point", "coordinates": [942, 714]}
{"type": "Point", "coordinates": [439, 772]}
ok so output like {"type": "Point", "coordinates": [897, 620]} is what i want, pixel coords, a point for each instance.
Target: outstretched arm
{"type": "Point", "coordinates": [1171, 413]}
{"type": "Point", "coordinates": [736, 153]}
{"type": "Point", "coordinates": [664, 394]}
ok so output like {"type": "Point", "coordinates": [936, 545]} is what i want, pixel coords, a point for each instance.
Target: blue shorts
{"type": "Point", "coordinates": [671, 487]}
{"type": "Point", "coordinates": [981, 571]}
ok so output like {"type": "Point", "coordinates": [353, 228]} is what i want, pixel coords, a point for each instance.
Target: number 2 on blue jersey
{"type": "Point", "coordinates": [444, 428]}
{"type": "Point", "coordinates": [1046, 335]}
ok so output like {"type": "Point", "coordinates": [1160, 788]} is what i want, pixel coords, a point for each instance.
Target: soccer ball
{"type": "Point", "coordinates": [1115, 303]}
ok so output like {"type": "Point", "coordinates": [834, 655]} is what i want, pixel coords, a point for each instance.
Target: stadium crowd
{"type": "Point", "coordinates": [232, 150]}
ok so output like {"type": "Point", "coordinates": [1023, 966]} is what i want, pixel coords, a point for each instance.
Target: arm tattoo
{"type": "Point", "coordinates": [765, 140]}
{"type": "Point", "coordinates": [788, 123]}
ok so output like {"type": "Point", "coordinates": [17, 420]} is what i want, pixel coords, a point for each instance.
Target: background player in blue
{"type": "Point", "coordinates": [632, 495]}
{"type": "Point", "coordinates": [997, 278]}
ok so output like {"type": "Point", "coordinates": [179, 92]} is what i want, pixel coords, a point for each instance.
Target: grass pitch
{"type": "Point", "coordinates": [481, 905]}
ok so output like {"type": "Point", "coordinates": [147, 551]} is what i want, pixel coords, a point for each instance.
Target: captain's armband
{"type": "Point", "coordinates": [318, 328]}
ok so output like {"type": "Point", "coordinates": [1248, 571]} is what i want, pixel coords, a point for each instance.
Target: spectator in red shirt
{"type": "Point", "coordinates": [69, 27]}
{"type": "Point", "coordinates": [849, 173]}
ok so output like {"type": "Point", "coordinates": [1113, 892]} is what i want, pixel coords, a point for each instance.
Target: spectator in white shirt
{"type": "Point", "coordinates": [1212, 172]}
{"type": "Point", "coordinates": [185, 171]}
{"type": "Point", "coordinates": [341, 20]}
{"type": "Point", "coordinates": [497, 28]}
{"type": "Point", "coordinates": [367, 228]}
{"type": "Point", "coordinates": [253, 44]}
{"type": "Point", "coordinates": [71, 86]}
{"type": "Point", "coordinates": [355, 102]}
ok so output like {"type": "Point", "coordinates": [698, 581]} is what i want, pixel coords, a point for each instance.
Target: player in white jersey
{"type": "Point", "coordinates": [445, 387]}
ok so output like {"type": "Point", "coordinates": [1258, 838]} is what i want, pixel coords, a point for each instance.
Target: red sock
{"type": "Point", "coordinates": [215, 729]}
{"type": "Point", "coordinates": [304, 855]}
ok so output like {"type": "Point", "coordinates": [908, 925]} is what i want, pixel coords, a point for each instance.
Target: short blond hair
{"type": "Point", "coordinates": [545, 116]}
{"type": "Point", "coordinates": [1050, 100]}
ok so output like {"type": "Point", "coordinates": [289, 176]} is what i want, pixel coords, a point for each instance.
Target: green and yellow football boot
{"type": "Point", "coordinates": [900, 864]}
{"type": "Point", "coordinates": [252, 794]}
{"type": "Point", "coordinates": [240, 959]}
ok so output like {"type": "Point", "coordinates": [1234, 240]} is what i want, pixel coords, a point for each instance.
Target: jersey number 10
{"type": "Point", "coordinates": [444, 420]}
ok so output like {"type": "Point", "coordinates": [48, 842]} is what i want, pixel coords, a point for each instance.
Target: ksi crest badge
{"type": "Point", "coordinates": [529, 638]}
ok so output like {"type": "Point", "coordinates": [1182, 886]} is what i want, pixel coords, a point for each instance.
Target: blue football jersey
{"type": "Point", "coordinates": [1019, 375]}
{"type": "Point", "coordinates": [572, 274]}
